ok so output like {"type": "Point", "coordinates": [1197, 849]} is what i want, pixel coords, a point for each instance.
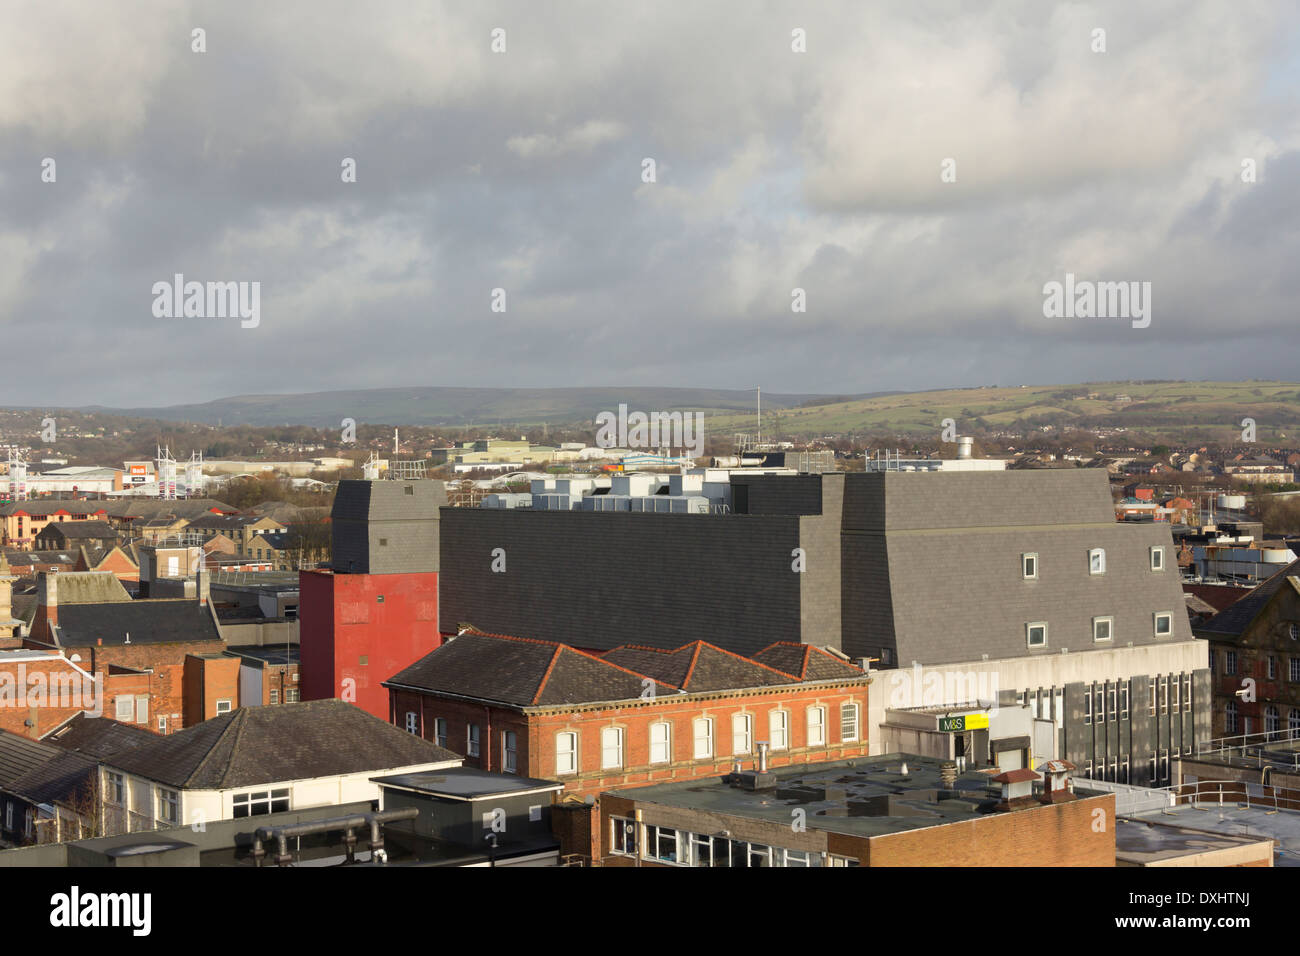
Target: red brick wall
{"type": "Point", "coordinates": [351, 642]}
{"type": "Point", "coordinates": [208, 680]}
{"type": "Point", "coordinates": [58, 701]}
{"type": "Point", "coordinates": [537, 732]}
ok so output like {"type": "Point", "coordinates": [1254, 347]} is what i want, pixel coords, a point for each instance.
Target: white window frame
{"type": "Point", "coordinates": [440, 731]}
{"type": "Point", "coordinates": [169, 800]}
{"type": "Point", "coordinates": [661, 751]}
{"type": "Point", "coordinates": [778, 725]}
{"type": "Point", "coordinates": [1097, 557]}
{"type": "Point", "coordinates": [260, 802]}
{"type": "Point", "coordinates": [1109, 621]}
{"type": "Point", "coordinates": [566, 753]}
{"type": "Point", "coordinates": [851, 735]}
{"type": "Point", "coordinates": [412, 722]}
{"type": "Point", "coordinates": [124, 710]}
{"type": "Point", "coordinates": [816, 726]}
{"type": "Point", "coordinates": [702, 735]}
{"type": "Point", "coordinates": [224, 706]}
{"type": "Point", "coordinates": [628, 829]}
{"type": "Point", "coordinates": [1025, 560]}
{"type": "Point", "coordinates": [509, 751]}
{"type": "Point", "coordinates": [116, 789]}
{"type": "Point", "coordinates": [1155, 623]}
{"type": "Point", "coordinates": [1029, 634]}
{"type": "Point", "coordinates": [1157, 558]}
{"type": "Point", "coordinates": [742, 733]}
{"type": "Point", "coordinates": [472, 737]}
{"type": "Point", "coordinates": [611, 748]}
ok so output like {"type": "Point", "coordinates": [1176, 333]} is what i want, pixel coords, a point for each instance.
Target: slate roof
{"type": "Point", "coordinates": [97, 736]}
{"type": "Point", "coordinates": [141, 507]}
{"type": "Point", "coordinates": [519, 671]}
{"type": "Point", "coordinates": [1236, 617]}
{"type": "Point", "coordinates": [807, 662]}
{"type": "Point", "coordinates": [260, 745]}
{"type": "Point", "coordinates": [79, 529]}
{"type": "Point", "coordinates": [698, 667]}
{"type": "Point", "coordinates": [39, 508]}
{"type": "Point", "coordinates": [88, 587]}
{"type": "Point", "coordinates": [208, 522]}
{"type": "Point", "coordinates": [161, 621]}
{"type": "Point", "coordinates": [20, 755]}
{"type": "Point", "coordinates": [66, 777]}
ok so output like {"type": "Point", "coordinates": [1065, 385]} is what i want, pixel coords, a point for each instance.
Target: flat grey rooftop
{"type": "Point", "coordinates": [1152, 839]}
{"type": "Point", "coordinates": [867, 796]}
{"type": "Point", "coordinates": [1233, 819]}
{"type": "Point", "coordinates": [467, 783]}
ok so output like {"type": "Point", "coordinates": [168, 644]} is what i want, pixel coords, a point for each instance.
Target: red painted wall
{"type": "Point", "coordinates": [351, 641]}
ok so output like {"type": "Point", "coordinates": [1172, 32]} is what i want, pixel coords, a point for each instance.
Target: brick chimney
{"type": "Point", "coordinates": [47, 605]}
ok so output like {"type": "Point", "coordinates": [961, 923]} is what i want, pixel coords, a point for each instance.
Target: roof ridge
{"type": "Point", "coordinates": [240, 718]}
{"type": "Point", "coordinates": [749, 660]}
{"type": "Point", "coordinates": [695, 659]}
{"type": "Point", "coordinates": [550, 668]}
{"type": "Point", "coordinates": [827, 654]}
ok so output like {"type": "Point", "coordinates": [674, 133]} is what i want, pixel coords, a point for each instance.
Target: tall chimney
{"type": "Point", "coordinates": [47, 605]}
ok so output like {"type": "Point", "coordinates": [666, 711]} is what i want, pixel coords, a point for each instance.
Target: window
{"type": "Point", "coordinates": [440, 731]}
{"type": "Point", "coordinates": [662, 844]}
{"type": "Point", "coordinates": [1123, 700]}
{"type": "Point", "coordinates": [124, 709]}
{"type": "Point", "coordinates": [1103, 628]}
{"type": "Point", "coordinates": [223, 707]}
{"type": "Point", "coordinates": [1229, 662]}
{"type": "Point", "coordinates": [1173, 694]}
{"type": "Point", "coordinates": [566, 753]}
{"type": "Point", "coordinates": [291, 693]}
{"type": "Point", "coordinates": [661, 747]}
{"type": "Point", "coordinates": [142, 709]}
{"type": "Point", "coordinates": [1272, 667]}
{"type": "Point", "coordinates": [1164, 624]}
{"type": "Point", "coordinates": [1157, 559]}
{"type": "Point", "coordinates": [1114, 711]}
{"type": "Point", "coordinates": [1272, 721]}
{"type": "Point", "coordinates": [779, 724]}
{"type": "Point", "coordinates": [1294, 668]}
{"type": "Point", "coordinates": [471, 740]}
{"type": "Point", "coordinates": [703, 732]}
{"type": "Point", "coordinates": [412, 722]}
{"type": "Point", "coordinates": [168, 806]}
{"type": "Point", "coordinates": [623, 835]}
{"type": "Point", "coordinates": [1187, 694]}
{"type": "Point", "coordinates": [611, 748]}
{"type": "Point", "coordinates": [816, 726]}
{"type": "Point", "coordinates": [1087, 707]}
{"type": "Point", "coordinates": [1293, 721]}
{"type": "Point", "coordinates": [257, 802]}
{"type": "Point", "coordinates": [509, 752]}
{"type": "Point", "coordinates": [1230, 717]}
{"type": "Point", "coordinates": [1029, 566]}
{"type": "Point", "coordinates": [848, 722]}
{"type": "Point", "coordinates": [1151, 683]}
{"type": "Point", "coordinates": [1097, 561]}
{"type": "Point", "coordinates": [275, 696]}
{"type": "Point", "coordinates": [116, 789]}
{"type": "Point", "coordinates": [1036, 634]}
{"type": "Point", "coordinates": [1164, 695]}
{"type": "Point", "coordinates": [1294, 631]}
{"type": "Point", "coordinates": [742, 734]}
{"type": "Point", "coordinates": [162, 725]}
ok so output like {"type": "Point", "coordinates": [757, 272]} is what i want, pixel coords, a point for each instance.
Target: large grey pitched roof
{"type": "Point", "coordinates": [80, 529]}
{"type": "Point", "coordinates": [141, 507]}
{"type": "Point", "coordinates": [261, 745]}
{"type": "Point", "coordinates": [19, 755]}
{"type": "Point", "coordinates": [65, 777]}
{"type": "Point", "coordinates": [39, 507]}
{"type": "Point", "coordinates": [1236, 617]}
{"type": "Point", "coordinates": [519, 671]}
{"type": "Point", "coordinates": [807, 662]}
{"type": "Point", "coordinates": [698, 667]}
{"type": "Point", "coordinates": [164, 621]}
{"type": "Point", "coordinates": [97, 736]}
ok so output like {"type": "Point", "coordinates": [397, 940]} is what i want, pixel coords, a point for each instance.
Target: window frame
{"type": "Point", "coordinates": [1029, 634]}
{"type": "Point", "coordinates": [1155, 623]}
{"type": "Point", "coordinates": [566, 767]}
{"type": "Point", "coordinates": [473, 739]}
{"type": "Point", "coordinates": [1025, 560]}
{"type": "Point", "coordinates": [1109, 621]}
{"type": "Point", "coordinates": [819, 724]}
{"type": "Point", "coordinates": [666, 744]}
{"type": "Point", "coordinates": [705, 723]}
{"type": "Point", "coordinates": [856, 722]}
{"type": "Point", "coordinates": [1156, 556]}
{"type": "Point", "coordinates": [605, 748]}
{"type": "Point", "coordinates": [747, 721]}
{"type": "Point", "coordinates": [1099, 553]}
{"type": "Point", "coordinates": [783, 715]}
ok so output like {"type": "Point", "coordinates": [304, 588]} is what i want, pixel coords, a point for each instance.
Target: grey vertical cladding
{"type": "Point", "coordinates": [387, 527]}
{"type": "Point", "coordinates": [820, 585]}
{"type": "Point", "coordinates": [1142, 740]}
{"type": "Point", "coordinates": [785, 494]}
{"type": "Point", "coordinates": [598, 580]}
{"type": "Point", "coordinates": [1078, 735]}
{"type": "Point", "coordinates": [1202, 699]}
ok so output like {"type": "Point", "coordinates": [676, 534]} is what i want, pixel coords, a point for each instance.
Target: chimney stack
{"type": "Point", "coordinates": [47, 605]}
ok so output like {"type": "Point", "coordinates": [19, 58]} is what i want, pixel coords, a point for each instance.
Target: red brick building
{"type": "Point", "coordinates": [39, 690]}
{"type": "Point", "coordinates": [358, 629]}
{"type": "Point", "coordinates": [631, 715]}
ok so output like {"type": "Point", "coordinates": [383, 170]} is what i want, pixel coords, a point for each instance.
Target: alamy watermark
{"type": "Point", "coordinates": [74, 689]}
{"type": "Point", "coordinates": [644, 431]}
{"type": "Point", "coordinates": [1085, 299]}
{"type": "Point", "coordinates": [210, 300]}
{"type": "Point", "coordinates": [928, 687]}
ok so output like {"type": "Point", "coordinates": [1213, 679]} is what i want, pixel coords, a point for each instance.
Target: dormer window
{"type": "Point", "coordinates": [1157, 559]}
{"type": "Point", "coordinates": [1097, 561]}
{"type": "Point", "coordinates": [1029, 566]}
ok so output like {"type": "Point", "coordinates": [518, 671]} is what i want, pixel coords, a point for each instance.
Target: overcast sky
{"type": "Point", "coordinates": [523, 170]}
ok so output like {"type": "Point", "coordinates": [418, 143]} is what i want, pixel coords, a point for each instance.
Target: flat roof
{"type": "Point", "coordinates": [467, 783]}
{"type": "Point", "coordinates": [1233, 819]}
{"type": "Point", "coordinates": [269, 653]}
{"type": "Point", "coordinates": [865, 797]}
{"type": "Point", "coordinates": [1151, 841]}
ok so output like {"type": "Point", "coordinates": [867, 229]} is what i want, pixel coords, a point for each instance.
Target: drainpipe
{"type": "Point", "coordinates": [485, 740]}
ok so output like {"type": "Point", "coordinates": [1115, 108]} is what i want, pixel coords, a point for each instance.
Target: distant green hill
{"type": "Point", "coordinates": [460, 406]}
